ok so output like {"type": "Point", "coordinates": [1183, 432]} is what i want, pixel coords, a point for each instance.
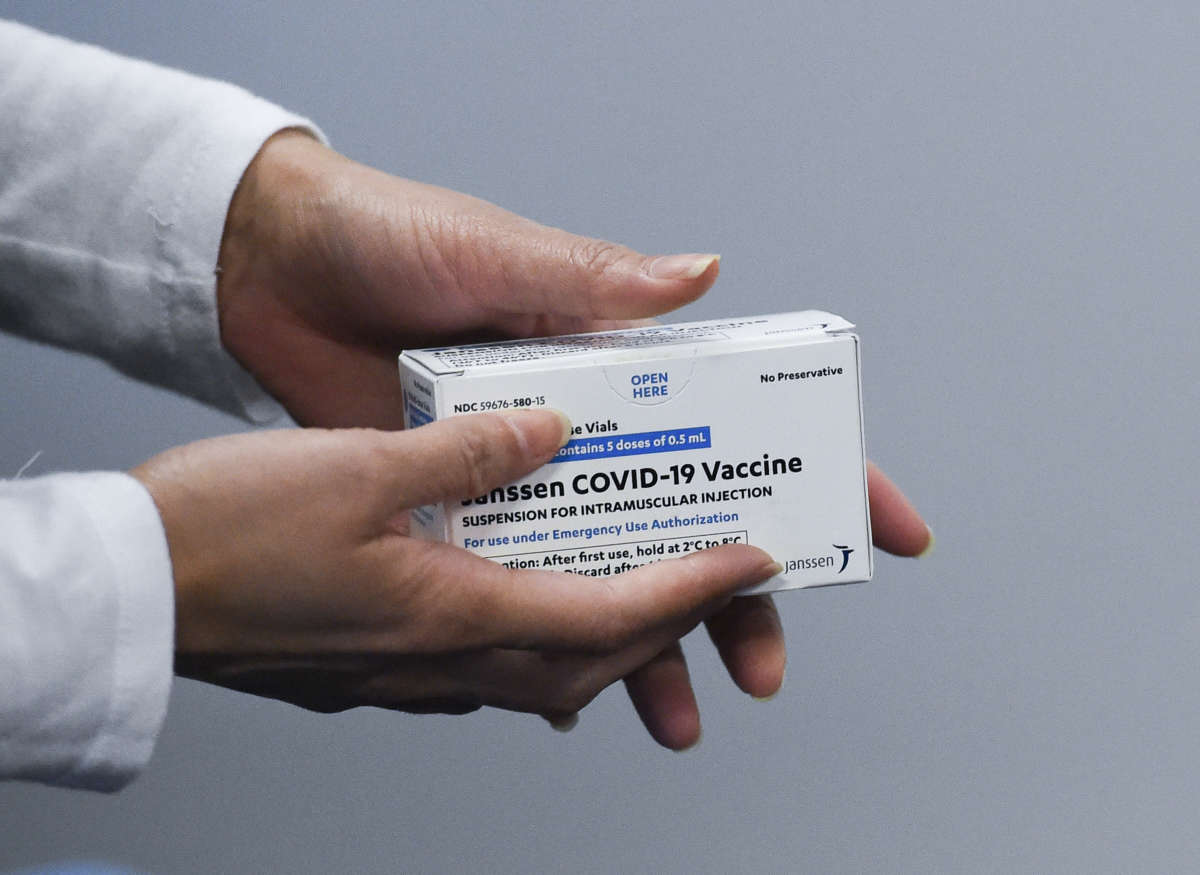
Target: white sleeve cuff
{"type": "Point", "coordinates": [86, 629]}
{"type": "Point", "coordinates": [118, 175]}
{"type": "Point", "coordinates": [225, 129]}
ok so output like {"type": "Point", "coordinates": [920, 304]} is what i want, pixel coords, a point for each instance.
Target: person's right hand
{"type": "Point", "coordinates": [296, 579]}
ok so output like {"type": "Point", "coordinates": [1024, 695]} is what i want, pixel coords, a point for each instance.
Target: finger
{"type": "Point", "coordinates": [465, 456]}
{"type": "Point", "coordinates": [513, 265]}
{"type": "Point", "coordinates": [895, 523]}
{"type": "Point", "coordinates": [562, 722]}
{"type": "Point", "coordinates": [555, 684]}
{"type": "Point", "coordinates": [574, 276]}
{"type": "Point", "coordinates": [749, 637]}
{"type": "Point", "coordinates": [482, 603]}
{"type": "Point", "coordinates": [662, 695]}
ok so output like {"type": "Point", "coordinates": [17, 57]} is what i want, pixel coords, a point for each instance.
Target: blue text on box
{"type": "Point", "coordinates": [604, 446]}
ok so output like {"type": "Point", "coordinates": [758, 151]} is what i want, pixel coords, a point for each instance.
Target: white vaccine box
{"type": "Point", "coordinates": [685, 436]}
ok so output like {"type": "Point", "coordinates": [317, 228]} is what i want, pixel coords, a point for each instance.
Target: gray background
{"type": "Point", "coordinates": [1005, 197]}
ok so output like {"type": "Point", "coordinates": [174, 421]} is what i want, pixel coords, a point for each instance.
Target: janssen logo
{"type": "Point", "coordinates": [828, 561]}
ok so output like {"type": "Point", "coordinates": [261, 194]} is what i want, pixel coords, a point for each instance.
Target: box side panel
{"type": "Point", "coordinates": [421, 390]}
{"type": "Point", "coordinates": [862, 438]}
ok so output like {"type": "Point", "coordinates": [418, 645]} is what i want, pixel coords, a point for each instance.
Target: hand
{"type": "Point", "coordinates": [749, 636]}
{"type": "Point", "coordinates": [296, 578]}
{"type": "Point", "coordinates": [329, 268]}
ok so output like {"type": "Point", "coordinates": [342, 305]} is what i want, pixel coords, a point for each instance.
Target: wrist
{"type": "Point", "coordinates": [264, 233]}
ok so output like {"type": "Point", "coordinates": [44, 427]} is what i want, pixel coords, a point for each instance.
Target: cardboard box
{"type": "Point", "coordinates": [685, 436]}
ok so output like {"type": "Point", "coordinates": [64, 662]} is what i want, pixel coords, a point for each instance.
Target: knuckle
{"type": "Point", "coordinates": [359, 460]}
{"type": "Point", "coordinates": [597, 256]}
{"type": "Point", "coordinates": [608, 633]}
{"type": "Point", "coordinates": [577, 692]}
{"type": "Point", "coordinates": [602, 623]}
{"type": "Point", "coordinates": [440, 247]}
{"type": "Point", "coordinates": [377, 455]}
{"type": "Point", "coordinates": [614, 624]}
{"type": "Point", "coordinates": [475, 451]}
{"type": "Point", "coordinates": [450, 614]}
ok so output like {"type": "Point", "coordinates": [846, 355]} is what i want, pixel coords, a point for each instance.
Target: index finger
{"type": "Point", "coordinates": [488, 605]}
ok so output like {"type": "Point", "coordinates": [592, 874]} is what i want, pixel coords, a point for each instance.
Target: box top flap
{"type": "Point", "coordinates": [648, 342]}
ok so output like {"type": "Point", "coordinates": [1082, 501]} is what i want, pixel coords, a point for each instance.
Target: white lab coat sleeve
{"type": "Point", "coordinates": [115, 179]}
{"type": "Point", "coordinates": [86, 629]}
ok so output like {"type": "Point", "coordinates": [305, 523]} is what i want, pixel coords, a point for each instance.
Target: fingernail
{"type": "Point", "coordinates": [566, 724]}
{"type": "Point", "coordinates": [563, 421]}
{"type": "Point", "coordinates": [773, 569]}
{"type": "Point", "coordinates": [566, 425]}
{"type": "Point", "coordinates": [680, 267]}
{"type": "Point", "coordinates": [928, 547]}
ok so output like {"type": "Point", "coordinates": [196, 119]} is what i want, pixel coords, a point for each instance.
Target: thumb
{"type": "Point", "coordinates": [519, 267]}
{"type": "Point", "coordinates": [568, 275]}
{"type": "Point", "coordinates": [465, 456]}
